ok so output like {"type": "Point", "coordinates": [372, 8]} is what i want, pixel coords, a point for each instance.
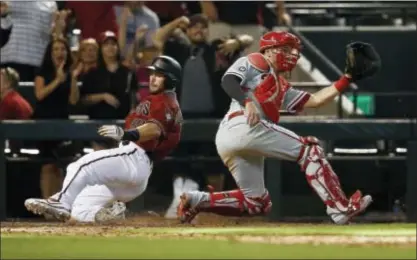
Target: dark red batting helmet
{"type": "Point", "coordinates": [284, 61]}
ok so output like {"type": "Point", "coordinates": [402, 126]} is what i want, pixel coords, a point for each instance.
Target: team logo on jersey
{"type": "Point", "coordinates": [143, 108]}
{"type": "Point", "coordinates": [242, 69]}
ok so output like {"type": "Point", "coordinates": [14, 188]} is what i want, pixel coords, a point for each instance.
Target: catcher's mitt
{"type": "Point", "coordinates": [362, 60]}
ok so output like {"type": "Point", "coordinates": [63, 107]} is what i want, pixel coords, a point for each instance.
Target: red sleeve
{"type": "Point", "coordinates": [23, 109]}
{"type": "Point", "coordinates": [6, 110]}
{"type": "Point", "coordinates": [161, 115]}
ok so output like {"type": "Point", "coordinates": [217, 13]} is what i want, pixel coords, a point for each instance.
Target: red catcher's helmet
{"type": "Point", "coordinates": [284, 61]}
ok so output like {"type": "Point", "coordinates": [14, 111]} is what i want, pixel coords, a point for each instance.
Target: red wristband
{"type": "Point", "coordinates": [342, 83]}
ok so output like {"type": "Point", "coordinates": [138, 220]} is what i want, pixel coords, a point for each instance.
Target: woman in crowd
{"type": "Point", "coordinates": [54, 89]}
{"type": "Point", "coordinates": [107, 90]}
{"type": "Point", "coordinates": [87, 57]}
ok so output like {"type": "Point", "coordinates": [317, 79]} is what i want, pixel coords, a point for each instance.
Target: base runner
{"type": "Point", "coordinates": [98, 184]}
{"type": "Point", "coordinates": [249, 132]}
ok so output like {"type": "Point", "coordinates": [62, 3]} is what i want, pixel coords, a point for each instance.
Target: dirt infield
{"type": "Point", "coordinates": [139, 226]}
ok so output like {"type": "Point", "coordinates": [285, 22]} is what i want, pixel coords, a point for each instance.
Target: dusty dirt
{"type": "Point", "coordinates": [135, 223]}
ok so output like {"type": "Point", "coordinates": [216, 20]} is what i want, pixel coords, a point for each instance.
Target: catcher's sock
{"type": "Point", "coordinates": [190, 185]}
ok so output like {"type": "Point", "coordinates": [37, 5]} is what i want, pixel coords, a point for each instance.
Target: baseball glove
{"type": "Point", "coordinates": [362, 60]}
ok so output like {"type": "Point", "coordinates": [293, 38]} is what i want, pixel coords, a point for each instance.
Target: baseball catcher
{"type": "Point", "coordinates": [98, 184]}
{"type": "Point", "coordinates": [250, 131]}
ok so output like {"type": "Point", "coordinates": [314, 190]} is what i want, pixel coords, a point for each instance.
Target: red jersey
{"type": "Point", "coordinates": [164, 110]}
{"type": "Point", "coordinates": [14, 106]}
{"type": "Point", "coordinates": [94, 17]}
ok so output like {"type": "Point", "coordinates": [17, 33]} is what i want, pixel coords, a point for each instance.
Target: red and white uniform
{"type": "Point", "coordinates": [102, 177]}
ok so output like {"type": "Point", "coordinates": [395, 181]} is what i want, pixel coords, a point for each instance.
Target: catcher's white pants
{"type": "Point", "coordinates": [99, 178]}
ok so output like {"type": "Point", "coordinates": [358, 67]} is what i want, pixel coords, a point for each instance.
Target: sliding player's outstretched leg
{"type": "Point", "coordinates": [325, 182]}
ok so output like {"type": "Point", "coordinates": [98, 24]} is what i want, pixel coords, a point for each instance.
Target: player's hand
{"type": "Point", "coordinates": [111, 131]}
{"type": "Point", "coordinates": [111, 100]}
{"type": "Point", "coordinates": [252, 113]}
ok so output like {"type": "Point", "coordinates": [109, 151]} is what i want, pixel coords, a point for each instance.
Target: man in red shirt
{"type": "Point", "coordinates": [94, 17]}
{"type": "Point", "coordinates": [121, 174]}
{"type": "Point", "coordinates": [12, 104]}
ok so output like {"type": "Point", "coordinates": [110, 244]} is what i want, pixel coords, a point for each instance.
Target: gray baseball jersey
{"type": "Point", "coordinates": [243, 148]}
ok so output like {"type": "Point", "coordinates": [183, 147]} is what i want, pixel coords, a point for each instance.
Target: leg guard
{"type": "Point", "coordinates": [227, 203]}
{"type": "Point", "coordinates": [235, 203]}
{"type": "Point", "coordinates": [322, 178]}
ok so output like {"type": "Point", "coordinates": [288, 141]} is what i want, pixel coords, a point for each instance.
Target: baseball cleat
{"type": "Point", "coordinates": [48, 208]}
{"type": "Point", "coordinates": [358, 205]}
{"type": "Point", "coordinates": [185, 212]}
{"type": "Point", "coordinates": [115, 212]}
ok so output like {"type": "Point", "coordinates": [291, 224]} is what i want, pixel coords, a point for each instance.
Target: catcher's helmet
{"type": "Point", "coordinates": [170, 68]}
{"type": "Point", "coordinates": [284, 62]}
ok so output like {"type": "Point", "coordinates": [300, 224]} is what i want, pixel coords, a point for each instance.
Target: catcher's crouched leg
{"type": "Point", "coordinates": [326, 184]}
{"type": "Point", "coordinates": [226, 203]}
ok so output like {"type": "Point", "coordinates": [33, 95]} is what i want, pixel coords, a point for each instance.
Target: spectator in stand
{"type": "Point", "coordinates": [6, 24]}
{"type": "Point", "coordinates": [235, 17]}
{"type": "Point", "coordinates": [26, 45]}
{"type": "Point", "coordinates": [12, 104]}
{"type": "Point", "coordinates": [87, 57]}
{"type": "Point", "coordinates": [168, 10]}
{"type": "Point", "coordinates": [204, 62]}
{"type": "Point", "coordinates": [106, 90]}
{"type": "Point", "coordinates": [94, 17]}
{"type": "Point", "coordinates": [131, 16]}
{"type": "Point", "coordinates": [54, 90]}
{"type": "Point", "coordinates": [138, 57]}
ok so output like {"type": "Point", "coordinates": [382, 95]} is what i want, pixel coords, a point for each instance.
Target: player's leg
{"type": "Point", "coordinates": [125, 165]}
{"type": "Point", "coordinates": [97, 203]}
{"type": "Point", "coordinates": [251, 198]}
{"type": "Point", "coordinates": [278, 142]}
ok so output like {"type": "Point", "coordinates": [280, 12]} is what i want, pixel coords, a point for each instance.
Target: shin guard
{"type": "Point", "coordinates": [322, 178]}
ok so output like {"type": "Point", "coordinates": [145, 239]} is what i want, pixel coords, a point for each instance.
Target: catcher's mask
{"type": "Point", "coordinates": [168, 67]}
{"type": "Point", "coordinates": [285, 61]}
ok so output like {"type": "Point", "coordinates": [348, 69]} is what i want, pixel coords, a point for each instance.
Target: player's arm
{"type": "Point", "coordinates": [240, 71]}
{"type": "Point", "coordinates": [362, 61]}
{"type": "Point", "coordinates": [327, 94]}
{"type": "Point", "coordinates": [152, 129]}
{"type": "Point", "coordinates": [143, 133]}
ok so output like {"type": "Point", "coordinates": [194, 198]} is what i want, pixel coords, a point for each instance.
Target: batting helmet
{"type": "Point", "coordinates": [170, 68]}
{"type": "Point", "coordinates": [284, 61]}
